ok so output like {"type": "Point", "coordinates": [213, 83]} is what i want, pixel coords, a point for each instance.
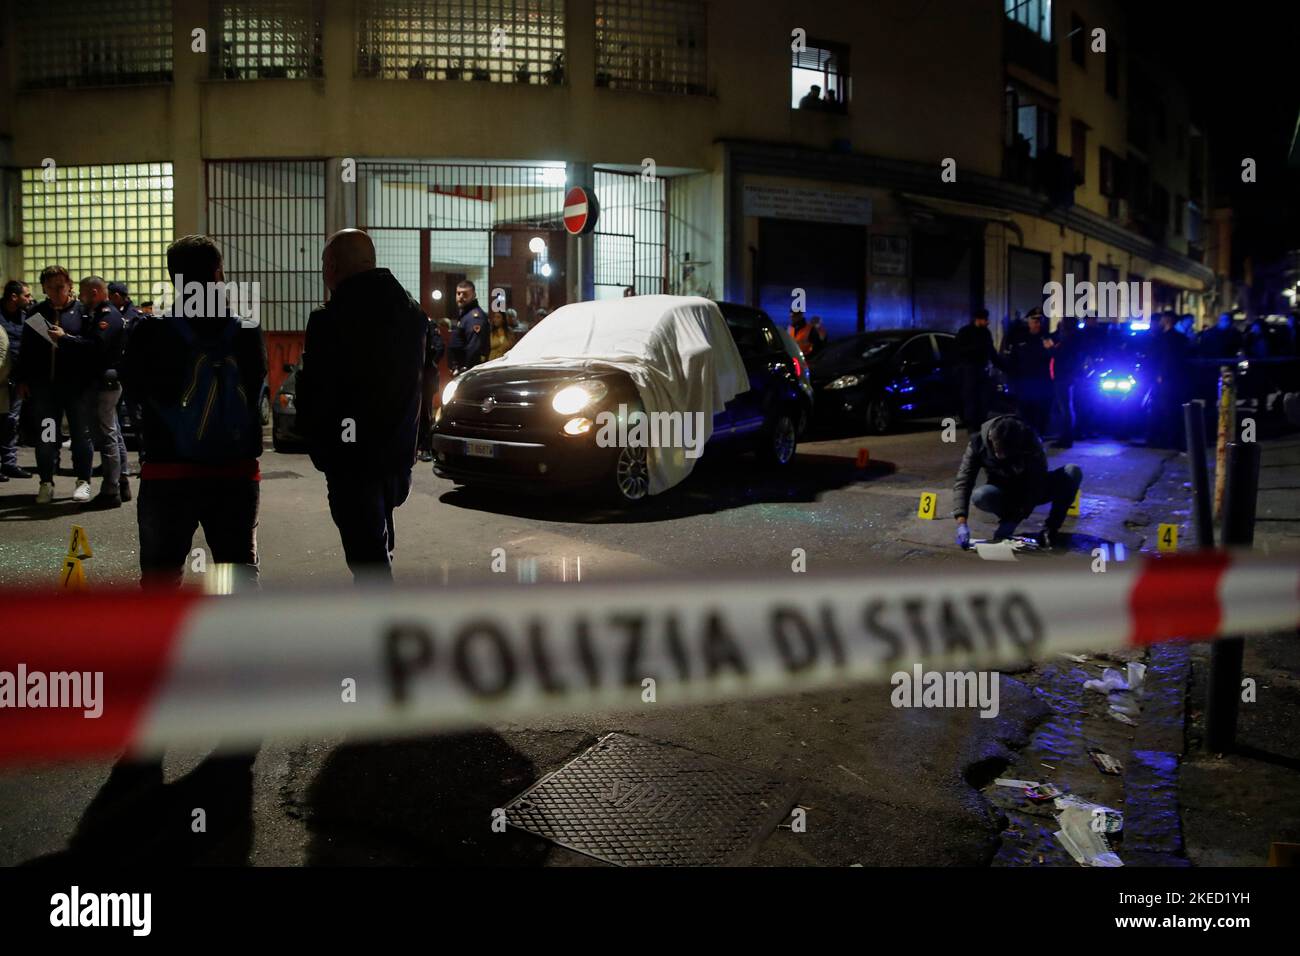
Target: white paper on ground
{"type": "Point", "coordinates": [1002, 551]}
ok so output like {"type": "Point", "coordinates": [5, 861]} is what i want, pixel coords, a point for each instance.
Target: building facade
{"type": "Point", "coordinates": [953, 154]}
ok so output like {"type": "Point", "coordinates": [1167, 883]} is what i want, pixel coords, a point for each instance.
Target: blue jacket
{"type": "Point", "coordinates": [73, 366]}
{"type": "Point", "coordinates": [470, 337]}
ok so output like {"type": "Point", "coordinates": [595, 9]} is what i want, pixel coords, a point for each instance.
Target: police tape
{"type": "Point", "coordinates": [93, 673]}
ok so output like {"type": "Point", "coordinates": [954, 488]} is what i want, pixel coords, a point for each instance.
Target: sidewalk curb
{"type": "Point", "coordinates": [1153, 829]}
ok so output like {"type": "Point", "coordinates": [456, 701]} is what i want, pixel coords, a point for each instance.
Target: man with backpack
{"type": "Point", "coordinates": [197, 379]}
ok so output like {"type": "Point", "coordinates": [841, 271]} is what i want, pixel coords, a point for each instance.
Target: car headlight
{"type": "Point", "coordinates": [286, 400]}
{"type": "Point", "coordinates": [845, 381]}
{"type": "Point", "coordinates": [449, 392]}
{"type": "Point", "coordinates": [574, 398]}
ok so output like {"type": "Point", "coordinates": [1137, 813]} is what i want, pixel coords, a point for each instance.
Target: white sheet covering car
{"type": "Point", "coordinates": [676, 349]}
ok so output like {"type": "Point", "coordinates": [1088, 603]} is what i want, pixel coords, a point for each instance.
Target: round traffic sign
{"type": "Point", "coordinates": [581, 210]}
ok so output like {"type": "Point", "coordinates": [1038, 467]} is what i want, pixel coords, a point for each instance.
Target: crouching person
{"type": "Point", "coordinates": [198, 380]}
{"type": "Point", "coordinates": [1011, 455]}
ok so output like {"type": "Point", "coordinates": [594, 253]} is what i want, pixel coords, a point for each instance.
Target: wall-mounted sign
{"type": "Point", "coordinates": [889, 255]}
{"type": "Point", "coordinates": [817, 205]}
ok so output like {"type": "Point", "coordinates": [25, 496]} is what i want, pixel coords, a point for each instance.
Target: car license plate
{"type": "Point", "coordinates": [480, 449]}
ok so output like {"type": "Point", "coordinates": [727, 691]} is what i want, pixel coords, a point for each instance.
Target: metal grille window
{"type": "Point", "coordinates": [630, 241]}
{"type": "Point", "coordinates": [112, 221]}
{"type": "Point", "coordinates": [658, 46]}
{"type": "Point", "coordinates": [267, 39]}
{"type": "Point", "coordinates": [94, 43]}
{"type": "Point", "coordinates": [269, 220]}
{"type": "Point", "coordinates": [502, 41]}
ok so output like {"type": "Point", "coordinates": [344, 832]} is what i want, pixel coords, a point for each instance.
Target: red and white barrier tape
{"type": "Point", "coordinates": [183, 668]}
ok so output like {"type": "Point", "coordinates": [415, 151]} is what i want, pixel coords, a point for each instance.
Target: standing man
{"type": "Point", "coordinates": [469, 337]}
{"type": "Point", "coordinates": [801, 332]}
{"type": "Point", "coordinates": [14, 306]}
{"type": "Point", "coordinates": [1029, 362]}
{"type": "Point", "coordinates": [1012, 457]}
{"type": "Point", "coordinates": [974, 353]}
{"type": "Point", "coordinates": [433, 351]}
{"type": "Point", "coordinates": [198, 379]}
{"type": "Point", "coordinates": [1168, 357]}
{"type": "Point", "coordinates": [359, 397]}
{"type": "Point", "coordinates": [55, 368]}
{"type": "Point", "coordinates": [1067, 369]}
{"type": "Point", "coordinates": [126, 413]}
{"type": "Point", "coordinates": [104, 327]}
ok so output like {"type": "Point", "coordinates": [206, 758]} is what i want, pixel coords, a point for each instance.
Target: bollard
{"type": "Point", "coordinates": [1237, 530]}
{"type": "Point", "coordinates": [1194, 425]}
{"type": "Point", "coordinates": [1227, 433]}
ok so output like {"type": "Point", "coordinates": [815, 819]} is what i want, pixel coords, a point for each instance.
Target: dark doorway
{"type": "Point", "coordinates": [828, 261]}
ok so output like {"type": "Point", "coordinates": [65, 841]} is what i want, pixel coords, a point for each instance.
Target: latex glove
{"type": "Point", "coordinates": [963, 535]}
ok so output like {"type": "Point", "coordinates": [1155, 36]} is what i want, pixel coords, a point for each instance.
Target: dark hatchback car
{"type": "Point", "coordinates": [284, 436]}
{"type": "Point", "coordinates": [876, 379]}
{"type": "Point", "coordinates": [528, 427]}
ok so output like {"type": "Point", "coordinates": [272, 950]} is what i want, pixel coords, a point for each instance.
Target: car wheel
{"type": "Point", "coordinates": [631, 478]}
{"type": "Point", "coordinates": [780, 440]}
{"type": "Point", "coordinates": [264, 408]}
{"type": "Point", "coordinates": [880, 416]}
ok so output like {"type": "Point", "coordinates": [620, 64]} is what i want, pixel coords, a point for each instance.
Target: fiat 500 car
{"type": "Point", "coordinates": [620, 397]}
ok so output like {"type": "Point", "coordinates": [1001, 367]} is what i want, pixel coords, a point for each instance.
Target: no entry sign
{"type": "Point", "coordinates": [580, 211]}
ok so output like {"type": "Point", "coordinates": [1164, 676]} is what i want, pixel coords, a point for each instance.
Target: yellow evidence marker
{"type": "Point", "coordinates": [1167, 537]}
{"type": "Point", "coordinates": [929, 505]}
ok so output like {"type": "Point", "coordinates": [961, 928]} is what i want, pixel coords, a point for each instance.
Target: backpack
{"type": "Point", "coordinates": [210, 422]}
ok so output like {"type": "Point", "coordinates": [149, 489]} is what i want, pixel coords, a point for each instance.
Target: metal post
{"type": "Point", "coordinates": [1227, 433]}
{"type": "Point", "coordinates": [1238, 530]}
{"type": "Point", "coordinates": [1194, 425]}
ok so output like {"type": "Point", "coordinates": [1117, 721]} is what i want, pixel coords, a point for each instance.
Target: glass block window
{"type": "Point", "coordinates": [266, 39]}
{"type": "Point", "coordinates": [658, 46]}
{"type": "Point", "coordinates": [111, 221]}
{"type": "Point", "coordinates": [94, 43]}
{"type": "Point", "coordinates": [499, 41]}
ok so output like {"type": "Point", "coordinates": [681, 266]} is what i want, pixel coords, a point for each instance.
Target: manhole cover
{"type": "Point", "coordinates": [633, 803]}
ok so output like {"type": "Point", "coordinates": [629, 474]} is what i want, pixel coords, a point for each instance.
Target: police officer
{"type": "Point", "coordinates": [105, 328]}
{"type": "Point", "coordinates": [14, 306]}
{"type": "Point", "coordinates": [127, 418]}
{"type": "Point", "coordinates": [1029, 363]}
{"type": "Point", "coordinates": [55, 367]}
{"type": "Point", "coordinates": [1168, 359]}
{"type": "Point", "coordinates": [974, 353]}
{"type": "Point", "coordinates": [1067, 370]}
{"type": "Point", "coordinates": [469, 336]}
{"type": "Point", "coordinates": [1011, 455]}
